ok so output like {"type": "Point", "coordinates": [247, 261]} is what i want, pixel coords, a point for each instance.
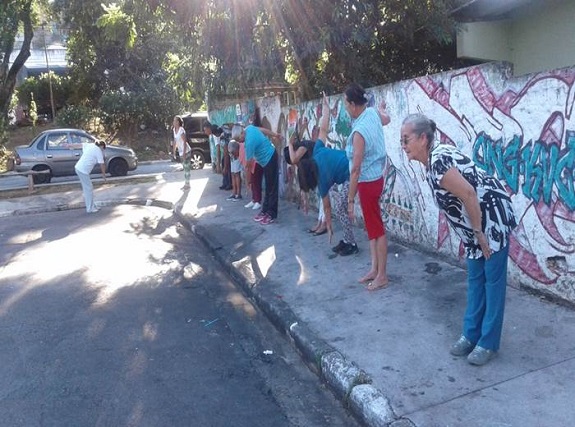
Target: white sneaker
{"type": "Point", "coordinates": [256, 206]}
{"type": "Point", "coordinates": [250, 204]}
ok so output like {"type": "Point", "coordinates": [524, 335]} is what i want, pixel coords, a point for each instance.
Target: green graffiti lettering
{"type": "Point", "coordinates": [543, 167]}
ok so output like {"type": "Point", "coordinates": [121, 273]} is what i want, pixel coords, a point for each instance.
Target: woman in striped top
{"type": "Point", "coordinates": [365, 149]}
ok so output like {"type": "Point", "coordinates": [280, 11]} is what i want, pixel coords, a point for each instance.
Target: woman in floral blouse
{"type": "Point", "coordinates": [479, 210]}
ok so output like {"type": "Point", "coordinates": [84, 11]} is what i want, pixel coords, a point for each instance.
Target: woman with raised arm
{"type": "Point", "coordinates": [366, 153]}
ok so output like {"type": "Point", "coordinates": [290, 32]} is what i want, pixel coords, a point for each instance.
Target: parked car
{"type": "Point", "coordinates": [198, 141]}
{"type": "Point", "coordinates": [58, 150]}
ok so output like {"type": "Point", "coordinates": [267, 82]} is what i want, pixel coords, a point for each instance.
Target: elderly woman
{"type": "Point", "coordinates": [365, 149]}
{"type": "Point", "coordinates": [479, 210]}
{"type": "Point", "coordinates": [260, 149]}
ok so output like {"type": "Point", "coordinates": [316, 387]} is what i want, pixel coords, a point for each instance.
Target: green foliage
{"type": "Point", "coordinates": [120, 47]}
{"type": "Point", "coordinates": [74, 116]}
{"type": "Point", "coordinates": [223, 47]}
{"type": "Point", "coordinates": [117, 26]}
{"type": "Point", "coordinates": [40, 87]}
{"type": "Point", "coordinates": [153, 107]}
{"type": "Point", "coordinates": [314, 44]}
{"type": "Point", "coordinates": [119, 109]}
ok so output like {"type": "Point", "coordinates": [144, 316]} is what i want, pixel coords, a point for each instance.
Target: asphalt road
{"type": "Point", "coordinates": [121, 318]}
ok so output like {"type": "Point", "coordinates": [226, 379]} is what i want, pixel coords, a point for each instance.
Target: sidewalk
{"type": "Point", "coordinates": [386, 353]}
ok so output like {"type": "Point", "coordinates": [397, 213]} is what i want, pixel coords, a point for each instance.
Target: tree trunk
{"type": "Point", "coordinates": [8, 76]}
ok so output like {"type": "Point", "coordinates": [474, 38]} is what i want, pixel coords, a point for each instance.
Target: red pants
{"type": "Point", "coordinates": [369, 195]}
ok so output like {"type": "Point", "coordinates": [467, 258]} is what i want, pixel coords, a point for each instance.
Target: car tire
{"type": "Point", "coordinates": [118, 167]}
{"type": "Point", "coordinates": [42, 178]}
{"type": "Point", "coordinates": [197, 160]}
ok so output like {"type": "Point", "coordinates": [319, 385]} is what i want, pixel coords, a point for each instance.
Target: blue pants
{"type": "Point", "coordinates": [486, 287]}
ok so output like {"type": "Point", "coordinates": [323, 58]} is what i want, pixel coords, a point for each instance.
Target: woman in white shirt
{"type": "Point", "coordinates": [181, 144]}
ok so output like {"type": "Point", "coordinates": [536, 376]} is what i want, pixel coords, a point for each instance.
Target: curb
{"type": "Point", "coordinates": [79, 205]}
{"type": "Point", "coordinates": [350, 384]}
{"type": "Point", "coordinates": [56, 187]}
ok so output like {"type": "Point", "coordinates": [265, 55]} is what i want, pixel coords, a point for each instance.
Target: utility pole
{"type": "Point", "coordinates": [49, 74]}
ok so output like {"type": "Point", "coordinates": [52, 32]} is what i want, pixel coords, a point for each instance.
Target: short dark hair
{"type": "Point", "coordinates": [356, 94]}
{"type": "Point", "coordinates": [216, 130]}
{"type": "Point", "coordinates": [307, 175]}
{"type": "Point", "coordinates": [101, 144]}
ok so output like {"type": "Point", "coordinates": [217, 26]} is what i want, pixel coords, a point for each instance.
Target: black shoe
{"type": "Point", "coordinates": [223, 188]}
{"type": "Point", "coordinates": [338, 247]}
{"type": "Point", "coordinates": [349, 249]}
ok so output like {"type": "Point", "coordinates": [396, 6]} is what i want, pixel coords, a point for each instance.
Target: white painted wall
{"type": "Point", "coordinates": [538, 40]}
{"type": "Point", "coordinates": [545, 40]}
{"type": "Point", "coordinates": [484, 41]}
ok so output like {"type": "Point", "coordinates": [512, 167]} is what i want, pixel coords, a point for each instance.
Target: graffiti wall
{"type": "Point", "coordinates": [520, 129]}
{"type": "Point", "coordinates": [237, 113]}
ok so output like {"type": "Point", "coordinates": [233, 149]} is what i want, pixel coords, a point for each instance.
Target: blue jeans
{"type": "Point", "coordinates": [486, 287]}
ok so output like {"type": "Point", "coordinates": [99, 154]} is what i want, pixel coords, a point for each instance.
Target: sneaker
{"type": "Point", "coordinates": [238, 197]}
{"type": "Point", "coordinates": [250, 204]}
{"type": "Point", "coordinates": [267, 220]}
{"type": "Point", "coordinates": [260, 216]}
{"type": "Point", "coordinates": [462, 347]}
{"type": "Point", "coordinates": [339, 246]}
{"type": "Point", "coordinates": [232, 197]}
{"type": "Point", "coordinates": [480, 356]}
{"type": "Point", "coordinates": [256, 206]}
{"type": "Point", "coordinates": [348, 249]}
{"type": "Point", "coordinates": [94, 210]}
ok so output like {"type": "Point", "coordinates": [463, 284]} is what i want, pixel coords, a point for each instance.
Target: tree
{"type": "Point", "coordinates": [13, 16]}
{"type": "Point", "coordinates": [125, 59]}
{"type": "Point", "coordinates": [313, 44]}
{"type": "Point", "coordinates": [40, 87]}
{"type": "Point", "coordinates": [371, 42]}
{"type": "Point", "coordinates": [224, 47]}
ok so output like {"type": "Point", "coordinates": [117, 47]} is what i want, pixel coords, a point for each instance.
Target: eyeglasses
{"type": "Point", "coordinates": [404, 141]}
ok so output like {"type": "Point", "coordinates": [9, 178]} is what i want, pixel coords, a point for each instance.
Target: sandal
{"type": "Point", "coordinates": [376, 287]}
{"type": "Point", "coordinates": [320, 232]}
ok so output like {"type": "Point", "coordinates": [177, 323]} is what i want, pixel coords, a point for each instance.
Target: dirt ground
{"type": "Point", "coordinates": [148, 145]}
